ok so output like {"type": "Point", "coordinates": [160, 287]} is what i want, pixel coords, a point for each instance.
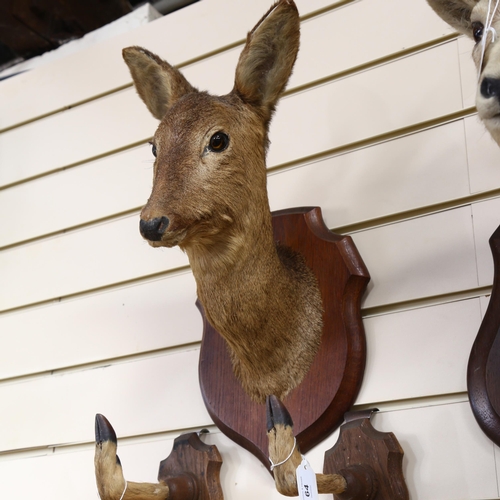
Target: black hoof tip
{"type": "Point", "coordinates": [104, 430]}
{"type": "Point", "coordinates": [277, 414]}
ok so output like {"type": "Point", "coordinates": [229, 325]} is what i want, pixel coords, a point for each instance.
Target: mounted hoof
{"type": "Point", "coordinates": [108, 470]}
{"type": "Point", "coordinates": [110, 481]}
{"type": "Point", "coordinates": [285, 456]}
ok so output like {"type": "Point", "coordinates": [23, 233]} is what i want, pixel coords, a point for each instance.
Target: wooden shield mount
{"type": "Point", "coordinates": [318, 404]}
{"type": "Point", "coordinates": [483, 371]}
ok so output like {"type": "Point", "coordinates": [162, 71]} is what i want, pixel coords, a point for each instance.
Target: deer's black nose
{"type": "Point", "coordinates": [153, 229]}
{"type": "Point", "coordinates": [490, 87]}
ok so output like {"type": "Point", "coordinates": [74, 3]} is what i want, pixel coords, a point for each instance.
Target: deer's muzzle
{"type": "Point", "coordinates": [154, 229]}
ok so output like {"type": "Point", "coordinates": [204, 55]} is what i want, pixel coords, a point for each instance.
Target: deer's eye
{"type": "Point", "coordinates": [218, 142]}
{"type": "Point", "coordinates": [477, 31]}
{"type": "Point", "coordinates": [153, 149]}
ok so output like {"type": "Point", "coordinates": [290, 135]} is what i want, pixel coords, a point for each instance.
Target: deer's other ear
{"type": "Point", "coordinates": [455, 12]}
{"type": "Point", "coordinates": [266, 63]}
{"type": "Point", "coordinates": [158, 84]}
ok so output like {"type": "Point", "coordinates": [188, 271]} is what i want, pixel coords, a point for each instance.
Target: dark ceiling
{"type": "Point", "coordinates": [31, 27]}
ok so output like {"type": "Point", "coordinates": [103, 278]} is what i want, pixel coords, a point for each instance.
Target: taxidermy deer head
{"type": "Point", "coordinates": [209, 197]}
{"type": "Point", "coordinates": [480, 20]}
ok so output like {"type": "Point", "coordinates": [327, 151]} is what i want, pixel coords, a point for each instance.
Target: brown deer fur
{"type": "Point", "coordinates": [213, 204]}
{"type": "Point", "coordinates": [281, 443]}
{"type": "Point", "coordinates": [467, 16]}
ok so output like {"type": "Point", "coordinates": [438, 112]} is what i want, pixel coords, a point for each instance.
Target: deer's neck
{"type": "Point", "coordinates": [264, 303]}
{"type": "Point", "coordinates": [235, 279]}
{"type": "Point", "coordinates": [245, 248]}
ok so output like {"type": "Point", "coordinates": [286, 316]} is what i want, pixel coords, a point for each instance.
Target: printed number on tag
{"type": "Point", "coordinates": [306, 481]}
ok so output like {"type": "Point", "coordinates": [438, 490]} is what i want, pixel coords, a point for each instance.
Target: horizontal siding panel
{"type": "Point", "coordinates": [486, 221]}
{"type": "Point", "coordinates": [202, 76]}
{"type": "Point", "coordinates": [391, 177]}
{"type": "Point", "coordinates": [420, 352]}
{"type": "Point", "coordinates": [61, 475]}
{"type": "Point", "coordinates": [468, 71]}
{"type": "Point", "coordinates": [418, 258]}
{"type": "Point", "coordinates": [75, 135]}
{"type": "Point", "coordinates": [182, 35]}
{"type": "Point", "coordinates": [157, 394]}
{"type": "Point", "coordinates": [304, 6]}
{"type": "Point", "coordinates": [483, 156]}
{"type": "Point", "coordinates": [447, 457]}
{"type": "Point", "coordinates": [388, 178]}
{"type": "Point", "coordinates": [461, 465]}
{"type": "Point", "coordinates": [84, 259]}
{"type": "Point", "coordinates": [411, 90]}
{"type": "Point", "coordinates": [75, 196]}
{"type": "Point", "coordinates": [125, 321]}
{"type": "Point", "coordinates": [331, 115]}
{"type": "Point", "coordinates": [484, 301]}
{"type": "Point", "coordinates": [348, 37]}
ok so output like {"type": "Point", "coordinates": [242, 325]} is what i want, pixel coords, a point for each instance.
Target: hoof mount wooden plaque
{"type": "Point", "coordinates": [192, 470]}
{"type": "Point", "coordinates": [483, 372]}
{"type": "Point", "coordinates": [319, 403]}
{"type": "Point", "coordinates": [371, 461]}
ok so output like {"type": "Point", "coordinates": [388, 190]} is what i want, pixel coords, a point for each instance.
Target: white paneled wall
{"type": "Point", "coordinates": [377, 127]}
{"type": "Point", "coordinates": [152, 315]}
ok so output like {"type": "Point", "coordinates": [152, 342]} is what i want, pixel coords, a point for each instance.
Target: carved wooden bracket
{"type": "Point", "coordinates": [193, 458]}
{"type": "Point", "coordinates": [190, 472]}
{"type": "Point", "coordinates": [318, 404]}
{"type": "Point", "coordinates": [483, 372]}
{"type": "Point", "coordinates": [369, 460]}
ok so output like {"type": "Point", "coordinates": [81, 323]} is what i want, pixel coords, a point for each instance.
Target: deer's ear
{"type": "Point", "coordinates": [158, 84]}
{"type": "Point", "coordinates": [266, 63]}
{"type": "Point", "coordinates": [455, 12]}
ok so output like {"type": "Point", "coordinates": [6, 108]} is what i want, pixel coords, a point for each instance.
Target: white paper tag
{"type": "Point", "coordinates": [306, 481]}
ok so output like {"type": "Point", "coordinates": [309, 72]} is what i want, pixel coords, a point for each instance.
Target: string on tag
{"type": "Point", "coordinates": [273, 465]}
{"type": "Point", "coordinates": [488, 28]}
{"type": "Point", "coordinates": [124, 490]}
